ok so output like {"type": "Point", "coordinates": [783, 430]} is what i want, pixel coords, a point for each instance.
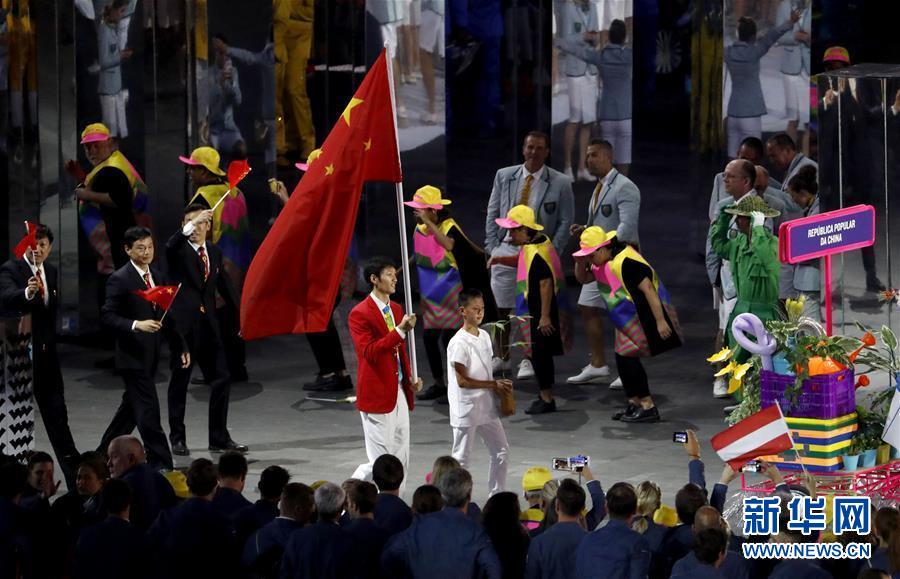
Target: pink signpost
{"type": "Point", "coordinates": [825, 235]}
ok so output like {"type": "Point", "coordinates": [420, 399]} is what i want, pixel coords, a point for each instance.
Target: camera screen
{"type": "Point", "coordinates": [679, 436]}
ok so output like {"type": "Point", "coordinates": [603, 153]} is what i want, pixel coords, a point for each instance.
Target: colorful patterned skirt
{"type": "Point", "coordinates": [440, 298]}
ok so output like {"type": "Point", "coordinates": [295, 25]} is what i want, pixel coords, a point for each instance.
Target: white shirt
{"type": "Point", "coordinates": [38, 271]}
{"type": "Point", "coordinates": [187, 230]}
{"type": "Point", "coordinates": [141, 272]}
{"type": "Point", "coordinates": [470, 406]}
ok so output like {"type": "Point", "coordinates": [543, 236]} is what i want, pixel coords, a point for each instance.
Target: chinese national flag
{"type": "Point", "coordinates": [292, 282]}
{"type": "Point", "coordinates": [161, 295]}
{"type": "Point", "coordinates": [27, 242]}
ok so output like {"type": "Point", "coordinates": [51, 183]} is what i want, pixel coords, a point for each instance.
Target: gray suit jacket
{"type": "Point", "coordinates": [551, 196]}
{"type": "Point", "coordinates": [795, 55]}
{"type": "Point", "coordinates": [618, 208]}
{"type": "Point", "coordinates": [742, 60]}
{"type": "Point", "coordinates": [615, 63]}
{"type": "Point", "coordinates": [110, 78]}
{"type": "Point", "coordinates": [573, 26]}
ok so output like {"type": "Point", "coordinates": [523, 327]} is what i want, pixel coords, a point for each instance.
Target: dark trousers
{"type": "Point", "coordinates": [542, 361]}
{"type": "Point", "coordinates": [51, 401]}
{"type": "Point", "coordinates": [140, 407]}
{"type": "Point", "coordinates": [634, 378]}
{"type": "Point", "coordinates": [433, 339]}
{"type": "Point", "coordinates": [205, 345]}
{"type": "Point", "coordinates": [235, 351]}
{"type": "Point", "coordinates": [326, 346]}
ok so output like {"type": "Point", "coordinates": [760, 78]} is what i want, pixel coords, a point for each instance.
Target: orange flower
{"type": "Point", "coordinates": [862, 381]}
{"type": "Point", "coordinates": [868, 340]}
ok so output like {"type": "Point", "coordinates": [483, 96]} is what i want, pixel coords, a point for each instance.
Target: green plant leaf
{"type": "Point", "coordinates": [888, 337]}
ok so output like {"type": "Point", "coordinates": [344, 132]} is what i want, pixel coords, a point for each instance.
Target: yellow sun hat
{"type": "Point", "coordinates": [427, 197]}
{"type": "Point", "coordinates": [518, 216]}
{"type": "Point", "coordinates": [94, 132]}
{"type": "Point", "coordinates": [535, 478]}
{"type": "Point", "coordinates": [592, 239]}
{"type": "Point", "coordinates": [178, 481]}
{"type": "Point", "coordinates": [204, 157]}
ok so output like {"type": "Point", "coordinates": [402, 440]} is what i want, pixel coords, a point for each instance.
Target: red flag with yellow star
{"type": "Point", "coordinates": [161, 295]}
{"type": "Point", "coordinates": [293, 280]}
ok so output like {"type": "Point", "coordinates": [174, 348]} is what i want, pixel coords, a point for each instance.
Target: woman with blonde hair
{"type": "Point", "coordinates": [649, 500]}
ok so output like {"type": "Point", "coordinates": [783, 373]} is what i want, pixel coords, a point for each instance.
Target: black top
{"type": "Point", "coordinates": [633, 273]}
{"type": "Point", "coordinates": [119, 217]}
{"type": "Point", "coordinates": [473, 271]}
{"type": "Point", "coordinates": [540, 270]}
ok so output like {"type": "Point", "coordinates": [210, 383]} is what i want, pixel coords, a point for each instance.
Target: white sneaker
{"type": "Point", "coordinates": [499, 364]}
{"type": "Point", "coordinates": [720, 388]}
{"type": "Point", "coordinates": [584, 175]}
{"type": "Point", "coordinates": [590, 375]}
{"type": "Point", "coordinates": [526, 370]}
{"type": "Point", "coordinates": [616, 384]}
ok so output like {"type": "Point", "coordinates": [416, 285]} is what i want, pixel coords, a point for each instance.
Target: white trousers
{"type": "Point", "coordinates": [386, 434]}
{"type": "Point", "coordinates": [494, 438]}
{"type": "Point", "coordinates": [113, 108]}
{"type": "Point", "coordinates": [739, 128]}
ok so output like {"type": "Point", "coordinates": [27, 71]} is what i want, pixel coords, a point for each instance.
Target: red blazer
{"type": "Point", "coordinates": [376, 349]}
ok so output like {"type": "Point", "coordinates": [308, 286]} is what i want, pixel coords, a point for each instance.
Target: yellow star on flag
{"type": "Point", "coordinates": [313, 155]}
{"type": "Point", "coordinates": [329, 169]}
{"type": "Point", "coordinates": [354, 102]}
{"type": "Point", "coordinates": [368, 144]}
{"type": "Point", "coordinates": [169, 290]}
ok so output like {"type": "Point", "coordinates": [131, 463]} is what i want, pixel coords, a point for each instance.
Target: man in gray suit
{"type": "Point", "coordinates": [549, 193]}
{"type": "Point", "coordinates": [795, 66]}
{"type": "Point", "coordinates": [614, 206]}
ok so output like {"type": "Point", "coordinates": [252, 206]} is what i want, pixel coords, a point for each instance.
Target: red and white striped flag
{"type": "Point", "coordinates": [760, 434]}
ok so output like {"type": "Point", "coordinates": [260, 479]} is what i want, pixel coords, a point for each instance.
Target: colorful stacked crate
{"type": "Point", "coordinates": [820, 443]}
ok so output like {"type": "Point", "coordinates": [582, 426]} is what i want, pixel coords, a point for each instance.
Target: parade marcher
{"type": "Point", "coordinates": [753, 254]}
{"type": "Point", "coordinates": [446, 261]}
{"type": "Point", "coordinates": [385, 388]}
{"type": "Point", "coordinates": [540, 287]}
{"type": "Point", "coordinates": [29, 287]}
{"type": "Point", "coordinates": [807, 281]}
{"type": "Point", "coordinates": [615, 64]}
{"type": "Point", "coordinates": [230, 232]}
{"type": "Point", "coordinates": [615, 206]}
{"type": "Point", "coordinates": [199, 267]}
{"type": "Point", "coordinates": [549, 194]}
{"type": "Point", "coordinates": [136, 323]}
{"type": "Point", "coordinates": [747, 105]}
{"type": "Point", "coordinates": [110, 189]}
{"type": "Point", "coordinates": [639, 307]}
{"type": "Point", "coordinates": [474, 407]}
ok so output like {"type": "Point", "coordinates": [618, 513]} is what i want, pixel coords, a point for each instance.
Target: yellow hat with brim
{"type": "Point", "coordinates": [427, 197]}
{"type": "Point", "coordinates": [204, 157]}
{"type": "Point", "coordinates": [535, 478]}
{"type": "Point", "coordinates": [836, 53]}
{"type": "Point", "coordinates": [592, 239]}
{"type": "Point", "coordinates": [94, 133]}
{"type": "Point", "coordinates": [519, 216]}
{"type": "Point", "coordinates": [178, 481]}
{"type": "Point", "coordinates": [666, 516]}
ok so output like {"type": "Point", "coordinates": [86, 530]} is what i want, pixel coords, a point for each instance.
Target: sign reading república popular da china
{"type": "Point", "coordinates": [827, 233]}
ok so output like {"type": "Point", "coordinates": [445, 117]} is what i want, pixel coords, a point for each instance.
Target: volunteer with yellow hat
{"type": "Point", "coordinates": [540, 289]}
{"type": "Point", "coordinates": [639, 307]}
{"type": "Point", "coordinates": [446, 262]}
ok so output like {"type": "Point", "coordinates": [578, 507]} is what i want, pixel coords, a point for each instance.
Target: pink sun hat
{"type": "Point", "coordinates": [94, 133]}
{"type": "Point", "coordinates": [427, 197]}
{"type": "Point", "coordinates": [592, 239]}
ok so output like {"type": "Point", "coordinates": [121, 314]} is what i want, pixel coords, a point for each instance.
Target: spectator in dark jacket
{"type": "Point", "coordinates": [427, 499]}
{"type": "Point", "coordinates": [551, 554]}
{"type": "Point", "coordinates": [248, 520]}
{"type": "Point", "coordinates": [150, 491]}
{"type": "Point", "coordinates": [709, 552]}
{"type": "Point", "coordinates": [732, 565]}
{"type": "Point", "coordinates": [113, 548]}
{"type": "Point", "coordinates": [232, 474]}
{"type": "Point", "coordinates": [509, 538]}
{"type": "Point", "coordinates": [615, 551]}
{"type": "Point", "coordinates": [321, 550]}
{"type": "Point", "coordinates": [15, 545]}
{"type": "Point", "coordinates": [367, 536]}
{"type": "Point", "coordinates": [390, 511]}
{"type": "Point", "coordinates": [265, 548]}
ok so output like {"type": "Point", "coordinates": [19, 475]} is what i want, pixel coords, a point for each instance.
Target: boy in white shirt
{"type": "Point", "coordinates": [470, 391]}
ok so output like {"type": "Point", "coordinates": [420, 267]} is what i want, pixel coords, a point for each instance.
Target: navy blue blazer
{"type": "Point", "coordinates": [613, 552]}
{"type": "Point", "coordinates": [442, 544]}
{"type": "Point", "coordinates": [320, 551]}
{"type": "Point", "coordinates": [701, 572]}
{"type": "Point", "coordinates": [229, 502]}
{"type": "Point", "coordinates": [798, 569]}
{"type": "Point", "coordinates": [392, 513]}
{"type": "Point", "coordinates": [551, 554]}
{"type": "Point", "coordinates": [734, 566]}
{"type": "Point", "coordinates": [194, 540]}
{"type": "Point", "coordinates": [254, 517]}
{"type": "Point", "coordinates": [368, 539]}
{"type": "Point", "coordinates": [265, 547]}
{"type": "Point", "coordinates": [151, 493]}
{"type": "Point", "coordinates": [111, 549]}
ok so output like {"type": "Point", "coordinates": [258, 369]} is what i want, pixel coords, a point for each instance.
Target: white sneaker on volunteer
{"type": "Point", "coordinates": [589, 375]}
{"type": "Point", "coordinates": [720, 388]}
{"type": "Point", "coordinates": [616, 384]}
{"type": "Point", "coordinates": [526, 370]}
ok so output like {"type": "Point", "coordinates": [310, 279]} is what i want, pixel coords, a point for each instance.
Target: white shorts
{"type": "Point", "coordinates": [739, 128]}
{"type": "Point", "coordinates": [796, 97]}
{"type": "Point", "coordinates": [431, 33]}
{"type": "Point", "coordinates": [113, 110]}
{"type": "Point", "coordinates": [726, 306]}
{"type": "Point", "coordinates": [590, 297]}
{"type": "Point", "coordinates": [389, 35]}
{"type": "Point", "coordinates": [618, 133]}
{"type": "Point", "coordinates": [583, 96]}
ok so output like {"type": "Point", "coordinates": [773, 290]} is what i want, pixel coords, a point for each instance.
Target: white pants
{"type": "Point", "coordinates": [739, 128]}
{"type": "Point", "coordinates": [386, 434]}
{"type": "Point", "coordinates": [431, 33]}
{"type": "Point", "coordinates": [503, 278]}
{"type": "Point", "coordinates": [583, 96]}
{"type": "Point", "coordinates": [494, 438]}
{"type": "Point", "coordinates": [591, 297]}
{"type": "Point", "coordinates": [113, 107]}
{"type": "Point", "coordinates": [726, 306]}
{"type": "Point", "coordinates": [796, 98]}
{"type": "Point", "coordinates": [618, 133]}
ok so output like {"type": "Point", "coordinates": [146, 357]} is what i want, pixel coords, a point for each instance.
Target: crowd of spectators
{"type": "Point", "coordinates": [125, 519]}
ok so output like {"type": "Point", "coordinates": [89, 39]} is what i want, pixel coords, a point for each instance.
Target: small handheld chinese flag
{"type": "Point", "coordinates": [237, 170]}
{"type": "Point", "coordinates": [161, 295]}
{"type": "Point", "coordinates": [760, 434]}
{"type": "Point", "coordinates": [28, 242]}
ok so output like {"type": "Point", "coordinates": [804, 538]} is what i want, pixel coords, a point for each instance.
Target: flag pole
{"type": "Point", "coordinates": [178, 289]}
{"type": "Point", "coordinates": [401, 216]}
